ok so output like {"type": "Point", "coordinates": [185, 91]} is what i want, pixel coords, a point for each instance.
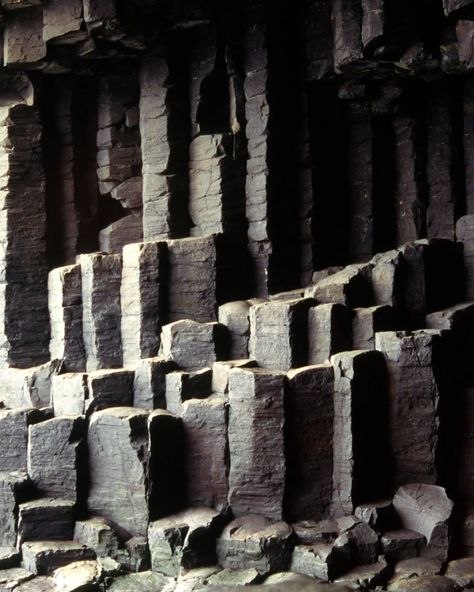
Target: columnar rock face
{"type": "Point", "coordinates": [359, 446]}
{"type": "Point", "coordinates": [14, 428]}
{"type": "Point", "coordinates": [55, 455]}
{"type": "Point", "coordinates": [192, 279]}
{"type": "Point", "coordinates": [24, 325]}
{"type": "Point", "coordinates": [101, 276]}
{"type": "Point", "coordinates": [140, 316]}
{"type": "Point", "coordinates": [309, 441]}
{"type": "Point", "coordinates": [205, 432]}
{"type": "Point", "coordinates": [256, 442]}
{"type": "Point", "coordinates": [329, 331]}
{"type": "Point", "coordinates": [13, 486]}
{"type": "Point", "coordinates": [69, 393]}
{"type": "Point", "coordinates": [149, 386]}
{"type": "Point", "coordinates": [413, 402]}
{"type": "Point", "coordinates": [118, 447]}
{"type": "Point", "coordinates": [278, 334]}
{"type": "Point", "coordinates": [65, 310]}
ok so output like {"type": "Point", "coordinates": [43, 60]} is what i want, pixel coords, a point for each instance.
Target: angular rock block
{"type": "Point", "coordinates": [256, 442]}
{"type": "Point", "coordinates": [146, 581]}
{"type": "Point", "coordinates": [254, 542]}
{"type": "Point", "coordinates": [351, 286]}
{"type": "Point", "coordinates": [140, 299]}
{"type": "Point", "coordinates": [184, 541]}
{"type": "Point", "coordinates": [149, 385]}
{"type": "Point", "coordinates": [221, 370]}
{"type": "Point", "coordinates": [379, 515]}
{"type": "Point", "coordinates": [55, 456]}
{"type": "Point", "coordinates": [101, 278]}
{"type": "Point", "coordinates": [109, 388]}
{"type": "Point", "coordinates": [116, 236]}
{"type": "Point", "coordinates": [308, 441]}
{"type": "Point", "coordinates": [97, 534]}
{"type": "Point", "coordinates": [23, 38]}
{"type": "Point", "coordinates": [461, 571]}
{"type": "Point", "coordinates": [138, 554]}
{"type": "Point", "coordinates": [14, 442]}
{"type": "Point", "coordinates": [366, 322]}
{"type": "Point", "coordinates": [45, 519]}
{"type": "Point", "coordinates": [387, 279]}
{"type": "Point", "coordinates": [360, 448]}
{"type": "Point", "coordinates": [43, 557]}
{"type": "Point", "coordinates": [426, 509]}
{"type": "Point", "coordinates": [236, 317]}
{"type": "Point", "coordinates": [69, 393]}
{"type": "Point", "coordinates": [365, 576]}
{"type": "Point", "coordinates": [329, 332]}
{"type": "Point", "coordinates": [279, 334]}
{"type": "Point", "coordinates": [182, 386]}
{"type": "Point", "coordinates": [192, 279]}
{"type": "Point", "coordinates": [14, 487]}
{"type": "Point", "coordinates": [322, 560]}
{"type": "Point", "coordinates": [65, 312]}
{"type": "Point", "coordinates": [411, 360]}
{"type": "Point", "coordinates": [402, 544]}
{"type": "Point", "coordinates": [118, 449]}
{"type": "Point", "coordinates": [205, 432]}
{"type": "Point", "coordinates": [62, 20]}
{"type": "Point", "coordinates": [190, 344]}
{"type": "Point", "coordinates": [30, 387]}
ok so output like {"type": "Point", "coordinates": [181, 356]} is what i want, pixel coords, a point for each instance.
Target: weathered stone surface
{"type": "Point", "coordinates": [426, 509]}
{"type": "Point", "coordinates": [424, 584]}
{"type": "Point", "coordinates": [387, 279]}
{"type": "Point", "coordinates": [78, 576]}
{"type": "Point", "coordinates": [138, 554]}
{"type": "Point", "coordinates": [146, 581]}
{"type": "Point", "coordinates": [256, 442]}
{"type": "Point", "coordinates": [184, 541]}
{"type": "Point", "coordinates": [9, 557]}
{"type": "Point", "coordinates": [101, 277]}
{"type": "Point", "coordinates": [14, 577]}
{"type": "Point", "coordinates": [366, 322]}
{"type": "Point", "coordinates": [23, 41]}
{"type": "Point", "coordinates": [329, 331]}
{"type": "Point", "coordinates": [14, 442]}
{"type": "Point", "coordinates": [461, 571]}
{"type": "Point", "coordinates": [278, 334]}
{"type": "Point", "coordinates": [412, 402]}
{"type": "Point", "coordinates": [254, 542]}
{"type": "Point", "coordinates": [65, 311]}
{"type": "Point", "coordinates": [323, 560]}
{"type": "Point", "coordinates": [379, 515]}
{"type": "Point", "coordinates": [109, 388]}
{"type": "Point", "coordinates": [55, 450]}
{"type": "Point", "coordinates": [69, 393]}
{"type": "Point", "coordinates": [97, 534]}
{"type": "Point", "coordinates": [309, 439]}
{"type": "Point", "coordinates": [43, 557]}
{"type": "Point", "coordinates": [13, 491]}
{"type": "Point", "coordinates": [192, 579]}
{"type": "Point", "coordinates": [359, 380]}
{"type": "Point", "coordinates": [149, 385]}
{"type": "Point", "coordinates": [45, 519]}
{"type": "Point", "coordinates": [192, 279]}
{"type": "Point", "coordinates": [62, 20]}
{"type": "Point", "coordinates": [118, 442]}
{"type": "Point", "coordinates": [140, 297]}
{"type": "Point", "coordinates": [365, 576]}
{"type": "Point", "coordinates": [417, 567]}
{"type": "Point", "coordinates": [116, 236]}
{"type": "Point", "coordinates": [182, 386]}
{"type": "Point", "coordinates": [235, 577]}
{"type": "Point", "coordinates": [28, 388]}
{"type": "Point", "coordinates": [236, 317]}
{"type": "Point", "coordinates": [190, 344]}
{"type": "Point", "coordinates": [206, 466]}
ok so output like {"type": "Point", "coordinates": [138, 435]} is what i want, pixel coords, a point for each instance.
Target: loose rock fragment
{"type": "Point", "coordinates": [78, 576]}
{"type": "Point", "coordinates": [98, 535]}
{"type": "Point", "coordinates": [184, 541]}
{"type": "Point", "coordinates": [254, 542]}
{"type": "Point", "coordinates": [43, 557]}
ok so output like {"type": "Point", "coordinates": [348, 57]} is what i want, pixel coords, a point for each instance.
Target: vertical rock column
{"type": "Point", "coordinates": [101, 276]}
{"type": "Point", "coordinates": [468, 136]}
{"type": "Point", "coordinates": [410, 211]}
{"type": "Point", "coordinates": [360, 449]}
{"type": "Point", "coordinates": [164, 169]}
{"type": "Point", "coordinates": [24, 320]}
{"type": "Point", "coordinates": [256, 442]}
{"type": "Point", "coordinates": [139, 297]}
{"type": "Point", "coordinates": [257, 113]}
{"type": "Point", "coordinates": [413, 403]}
{"type": "Point", "coordinates": [65, 312]}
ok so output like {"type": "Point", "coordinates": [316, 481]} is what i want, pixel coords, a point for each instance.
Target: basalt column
{"type": "Point", "coordinates": [24, 317]}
